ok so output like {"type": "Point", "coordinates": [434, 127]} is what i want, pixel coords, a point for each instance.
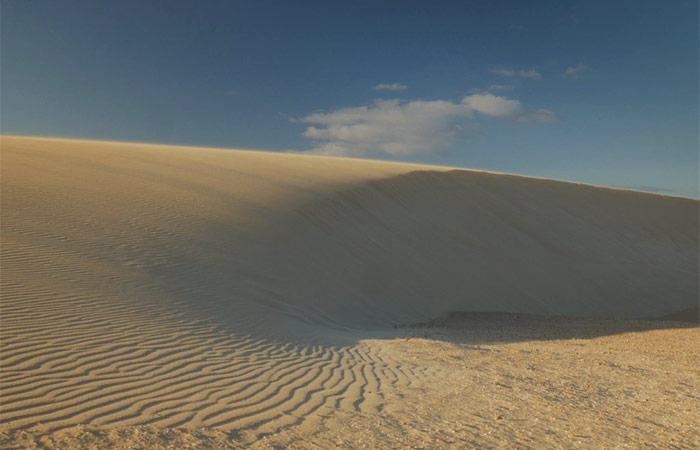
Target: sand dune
{"type": "Point", "coordinates": [147, 285]}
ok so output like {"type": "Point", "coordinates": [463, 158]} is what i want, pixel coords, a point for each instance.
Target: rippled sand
{"type": "Point", "coordinates": [159, 296]}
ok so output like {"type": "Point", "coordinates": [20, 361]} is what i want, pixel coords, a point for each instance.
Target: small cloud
{"type": "Point", "coordinates": [575, 72]}
{"type": "Point", "coordinates": [492, 88]}
{"type": "Point", "coordinates": [504, 108]}
{"type": "Point", "coordinates": [503, 72]}
{"type": "Point", "coordinates": [390, 87]}
{"type": "Point", "coordinates": [531, 74]}
{"type": "Point", "coordinates": [233, 92]}
{"type": "Point", "coordinates": [499, 87]}
{"type": "Point", "coordinates": [538, 115]}
{"type": "Point", "coordinates": [492, 105]}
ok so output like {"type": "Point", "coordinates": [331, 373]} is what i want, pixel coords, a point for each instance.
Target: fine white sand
{"type": "Point", "coordinates": [245, 295]}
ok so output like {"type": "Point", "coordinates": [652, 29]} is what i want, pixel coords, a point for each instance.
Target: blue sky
{"type": "Point", "coordinates": [598, 92]}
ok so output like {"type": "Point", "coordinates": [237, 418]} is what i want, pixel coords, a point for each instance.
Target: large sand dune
{"type": "Point", "coordinates": [173, 286]}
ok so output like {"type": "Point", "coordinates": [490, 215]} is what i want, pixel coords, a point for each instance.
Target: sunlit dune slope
{"type": "Point", "coordinates": [275, 242]}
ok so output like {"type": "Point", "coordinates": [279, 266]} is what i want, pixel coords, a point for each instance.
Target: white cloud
{"type": "Point", "coordinates": [532, 74]}
{"type": "Point", "coordinates": [386, 127]}
{"type": "Point", "coordinates": [575, 72]}
{"type": "Point", "coordinates": [492, 105]}
{"type": "Point", "coordinates": [390, 87]}
{"type": "Point", "coordinates": [504, 108]}
{"type": "Point", "coordinates": [400, 128]}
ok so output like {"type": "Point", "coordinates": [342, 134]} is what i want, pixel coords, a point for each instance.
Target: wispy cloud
{"type": "Point", "coordinates": [400, 128]}
{"type": "Point", "coordinates": [390, 87]}
{"type": "Point", "coordinates": [531, 74]}
{"type": "Point", "coordinates": [575, 72]}
{"type": "Point", "coordinates": [492, 88]}
{"type": "Point", "coordinates": [499, 87]}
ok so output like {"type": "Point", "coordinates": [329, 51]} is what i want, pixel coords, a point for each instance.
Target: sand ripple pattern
{"type": "Point", "coordinates": [79, 360]}
{"type": "Point", "coordinates": [77, 352]}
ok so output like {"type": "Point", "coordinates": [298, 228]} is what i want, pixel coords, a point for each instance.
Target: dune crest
{"type": "Point", "coordinates": [174, 286]}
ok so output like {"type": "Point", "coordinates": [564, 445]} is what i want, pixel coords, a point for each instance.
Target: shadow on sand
{"type": "Point", "coordinates": [499, 328]}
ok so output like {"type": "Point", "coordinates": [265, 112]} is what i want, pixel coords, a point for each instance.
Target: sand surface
{"type": "Point", "coordinates": [170, 296]}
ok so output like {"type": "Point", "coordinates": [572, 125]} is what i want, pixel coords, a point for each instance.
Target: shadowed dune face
{"type": "Point", "coordinates": [423, 243]}
{"type": "Point", "coordinates": [170, 286]}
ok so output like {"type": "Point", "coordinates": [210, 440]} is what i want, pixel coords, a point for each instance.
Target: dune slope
{"type": "Point", "coordinates": [173, 286]}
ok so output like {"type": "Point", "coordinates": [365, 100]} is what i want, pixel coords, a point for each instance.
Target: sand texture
{"type": "Point", "coordinates": [160, 296]}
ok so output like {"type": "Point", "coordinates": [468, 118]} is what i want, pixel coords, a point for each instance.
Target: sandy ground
{"type": "Point", "coordinates": [158, 296]}
{"type": "Point", "coordinates": [485, 381]}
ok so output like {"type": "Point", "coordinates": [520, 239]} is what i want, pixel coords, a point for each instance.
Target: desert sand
{"type": "Point", "coordinates": [172, 297]}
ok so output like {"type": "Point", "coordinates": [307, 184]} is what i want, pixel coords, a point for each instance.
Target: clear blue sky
{"type": "Point", "coordinates": [604, 92]}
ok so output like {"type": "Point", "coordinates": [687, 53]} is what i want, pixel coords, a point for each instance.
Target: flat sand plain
{"type": "Point", "coordinates": [157, 296]}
